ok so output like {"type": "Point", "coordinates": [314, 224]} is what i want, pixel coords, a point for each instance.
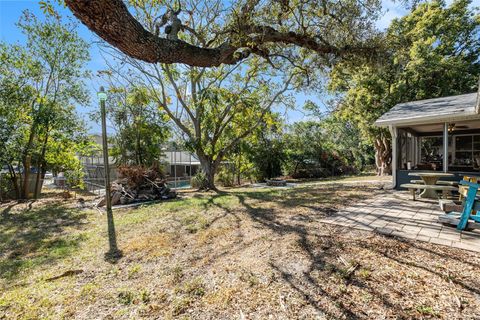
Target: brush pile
{"type": "Point", "coordinates": [138, 183]}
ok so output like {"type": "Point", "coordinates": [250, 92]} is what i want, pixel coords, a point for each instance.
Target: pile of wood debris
{"type": "Point", "coordinates": [137, 184]}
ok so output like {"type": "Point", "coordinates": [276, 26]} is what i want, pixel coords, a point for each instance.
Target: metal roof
{"type": "Point", "coordinates": [431, 110]}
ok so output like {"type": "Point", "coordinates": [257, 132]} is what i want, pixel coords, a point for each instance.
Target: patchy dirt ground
{"type": "Point", "coordinates": [243, 254]}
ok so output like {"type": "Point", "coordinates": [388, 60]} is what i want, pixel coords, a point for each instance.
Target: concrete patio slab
{"type": "Point", "coordinates": [395, 214]}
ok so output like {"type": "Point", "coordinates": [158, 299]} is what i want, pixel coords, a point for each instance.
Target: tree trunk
{"type": "Point", "coordinates": [13, 176]}
{"type": "Point", "coordinates": [41, 166]}
{"type": "Point", "coordinates": [27, 159]}
{"type": "Point", "coordinates": [209, 167]}
{"type": "Point", "coordinates": [26, 176]}
{"type": "Point", "coordinates": [296, 167]}
{"type": "Point", "coordinates": [239, 171]}
{"type": "Point", "coordinates": [383, 156]}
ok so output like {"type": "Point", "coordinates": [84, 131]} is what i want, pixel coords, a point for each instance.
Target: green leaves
{"type": "Point", "coordinates": [39, 84]}
{"type": "Point", "coordinates": [47, 8]}
{"type": "Point", "coordinates": [140, 128]}
{"type": "Point", "coordinates": [434, 51]}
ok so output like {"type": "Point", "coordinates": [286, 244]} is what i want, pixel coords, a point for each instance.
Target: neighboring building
{"type": "Point", "coordinates": [179, 166]}
{"type": "Point", "coordinates": [441, 134]}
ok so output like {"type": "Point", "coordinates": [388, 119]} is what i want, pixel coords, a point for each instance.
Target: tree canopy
{"type": "Point", "coordinates": [213, 108]}
{"type": "Point", "coordinates": [229, 32]}
{"type": "Point", "coordinates": [40, 83]}
{"type": "Point", "coordinates": [434, 51]}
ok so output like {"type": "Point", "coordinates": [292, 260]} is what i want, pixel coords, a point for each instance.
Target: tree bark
{"type": "Point", "coordinates": [26, 176]}
{"type": "Point", "coordinates": [209, 168]}
{"type": "Point", "coordinates": [41, 165]}
{"type": "Point", "coordinates": [111, 21]}
{"type": "Point", "coordinates": [13, 176]}
{"type": "Point", "coordinates": [239, 169]}
{"type": "Point", "coordinates": [383, 156]}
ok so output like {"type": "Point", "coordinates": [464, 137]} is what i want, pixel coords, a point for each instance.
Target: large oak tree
{"type": "Point", "coordinates": [237, 29]}
{"type": "Point", "coordinates": [281, 43]}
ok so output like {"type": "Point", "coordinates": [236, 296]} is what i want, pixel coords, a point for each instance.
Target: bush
{"type": "Point", "coordinates": [74, 177]}
{"type": "Point", "coordinates": [348, 170]}
{"type": "Point", "coordinates": [226, 177]}
{"type": "Point", "coordinates": [6, 187]}
{"type": "Point", "coordinates": [311, 172]}
{"type": "Point", "coordinates": [199, 180]}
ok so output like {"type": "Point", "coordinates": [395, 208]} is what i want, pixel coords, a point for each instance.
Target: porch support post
{"type": "Point", "coordinates": [445, 147]}
{"type": "Point", "coordinates": [393, 132]}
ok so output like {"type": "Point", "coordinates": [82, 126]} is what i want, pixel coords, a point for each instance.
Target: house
{"type": "Point", "coordinates": [180, 166]}
{"type": "Point", "coordinates": [441, 134]}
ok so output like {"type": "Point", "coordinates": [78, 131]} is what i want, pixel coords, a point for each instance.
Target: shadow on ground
{"type": "Point", "coordinates": [338, 264]}
{"type": "Point", "coordinates": [33, 237]}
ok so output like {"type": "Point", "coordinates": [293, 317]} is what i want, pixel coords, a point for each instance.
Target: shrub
{"type": "Point", "coordinates": [226, 177]}
{"type": "Point", "coordinates": [74, 177]}
{"type": "Point", "coordinates": [199, 180]}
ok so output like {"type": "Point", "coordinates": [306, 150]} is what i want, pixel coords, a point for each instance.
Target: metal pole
{"type": "Point", "coordinates": [445, 147]}
{"type": "Point", "coordinates": [394, 132]}
{"type": "Point", "coordinates": [175, 165]}
{"type": "Point", "coordinates": [112, 239]}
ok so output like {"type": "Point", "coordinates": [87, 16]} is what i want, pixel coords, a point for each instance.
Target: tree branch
{"type": "Point", "coordinates": [111, 20]}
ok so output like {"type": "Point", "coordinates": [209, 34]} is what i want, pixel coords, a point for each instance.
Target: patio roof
{"type": "Point", "coordinates": [445, 109]}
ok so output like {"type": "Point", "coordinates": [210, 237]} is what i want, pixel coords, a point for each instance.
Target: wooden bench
{"type": "Point", "coordinates": [442, 183]}
{"type": "Point", "coordinates": [413, 187]}
{"type": "Point", "coordinates": [468, 218]}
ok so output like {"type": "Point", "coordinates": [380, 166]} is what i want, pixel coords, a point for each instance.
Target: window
{"type": "Point", "coordinates": [431, 149]}
{"type": "Point", "coordinates": [467, 150]}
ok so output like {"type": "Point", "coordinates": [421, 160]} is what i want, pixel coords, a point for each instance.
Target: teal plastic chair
{"type": "Point", "coordinates": [472, 204]}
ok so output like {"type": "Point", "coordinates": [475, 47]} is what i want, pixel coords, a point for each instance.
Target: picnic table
{"type": "Point", "coordinates": [430, 179]}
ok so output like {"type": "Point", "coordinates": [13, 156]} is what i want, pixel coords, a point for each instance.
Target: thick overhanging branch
{"type": "Point", "coordinates": [111, 20]}
{"type": "Point", "coordinates": [267, 34]}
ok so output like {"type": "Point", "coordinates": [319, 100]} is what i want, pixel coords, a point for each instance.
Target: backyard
{"type": "Point", "coordinates": [210, 159]}
{"type": "Point", "coordinates": [245, 253]}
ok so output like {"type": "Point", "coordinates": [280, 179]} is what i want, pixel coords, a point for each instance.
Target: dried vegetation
{"type": "Point", "coordinates": [245, 253]}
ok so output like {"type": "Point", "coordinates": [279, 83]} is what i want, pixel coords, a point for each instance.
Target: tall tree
{"type": "Point", "coordinates": [48, 79]}
{"type": "Point", "coordinates": [305, 146]}
{"type": "Point", "coordinates": [434, 51]}
{"type": "Point", "coordinates": [264, 152]}
{"type": "Point", "coordinates": [214, 108]}
{"type": "Point", "coordinates": [140, 128]}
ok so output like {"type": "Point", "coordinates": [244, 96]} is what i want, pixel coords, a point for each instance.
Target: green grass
{"type": "Point", "coordinates": [38, 237]}
{"type": "Point", "coordinates": [164, 245]}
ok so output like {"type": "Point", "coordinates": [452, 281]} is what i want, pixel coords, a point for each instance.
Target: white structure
{"type": "Point", "coordinates": [180, 167]}
{"type": "Point", "coordinates": [435, 134]}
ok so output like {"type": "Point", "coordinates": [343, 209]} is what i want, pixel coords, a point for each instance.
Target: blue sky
{"type": "Point", "coordinates": [10, 11]}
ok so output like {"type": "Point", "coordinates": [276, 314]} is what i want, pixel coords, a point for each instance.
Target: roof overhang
{"type": "Point", "coordinates": [439, 118]}
{"type": "Point", "coordinates": [436, 110]}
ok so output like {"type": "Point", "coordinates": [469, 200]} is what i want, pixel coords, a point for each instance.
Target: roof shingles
{"type": "Point", "coordinates": [461, 105]}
